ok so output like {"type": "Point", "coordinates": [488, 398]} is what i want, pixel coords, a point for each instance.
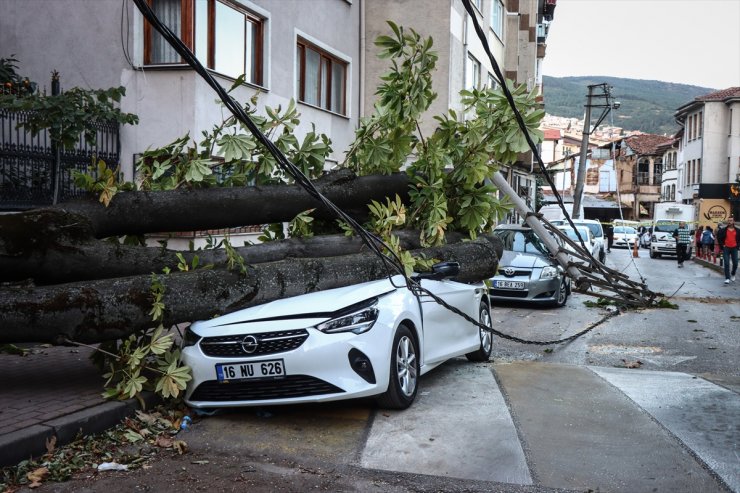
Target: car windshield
{"type": "Point", "coordinates": [570, 232]}
{"type": "Point", "coordinates": [625, 230]}
{"type": "Point", "coordinates": [521, 241]}
{"type": "Point", "coordinates": [665, 227]}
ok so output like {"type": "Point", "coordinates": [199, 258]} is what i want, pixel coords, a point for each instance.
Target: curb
{"type": "Point", "coordinates": [31, 442]}
{"type": "Point", "coordinates": [709, 265]}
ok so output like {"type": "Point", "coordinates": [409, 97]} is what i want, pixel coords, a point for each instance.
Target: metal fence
{"type": "Point", "coordinates": [35, 172]}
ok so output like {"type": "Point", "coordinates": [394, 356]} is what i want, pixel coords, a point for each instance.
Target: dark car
{"type": "Point", "coordinates": [526, 271]}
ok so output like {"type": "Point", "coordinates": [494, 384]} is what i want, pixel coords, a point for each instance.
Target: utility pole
{"type": "Point", "coordinates": [607, 105]}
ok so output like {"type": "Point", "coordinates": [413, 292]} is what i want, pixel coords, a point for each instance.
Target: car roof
{"type": "Point", "coordinates": [515, 227]}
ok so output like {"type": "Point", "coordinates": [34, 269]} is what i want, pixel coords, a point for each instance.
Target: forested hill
{"type": "Point", "coordinates": [646, 105]}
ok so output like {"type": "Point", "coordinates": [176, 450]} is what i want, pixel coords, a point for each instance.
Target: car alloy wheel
{"type": "Point", "coordinates": [562, 295]}
{"type": "Point", "coordinates": [404, 371]}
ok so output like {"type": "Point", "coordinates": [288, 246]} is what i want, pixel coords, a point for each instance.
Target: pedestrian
{"type": "Point", "coordinates": [707, 241]}
{"type": "Point", "coordinates": [727, 239]}
{"type": "Point", "coordinates": [609, 237]}
{"type": "Point", "coordinates": [683, 240]}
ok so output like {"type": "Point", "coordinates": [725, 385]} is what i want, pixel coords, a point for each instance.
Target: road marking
{"type": "Point", "coordinates": [458, 427]}
{"type": "Point", "coordinates": [704, 416]}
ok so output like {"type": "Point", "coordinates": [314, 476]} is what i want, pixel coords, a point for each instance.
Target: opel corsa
{"type": "Point", "coordinates": [373, 339]}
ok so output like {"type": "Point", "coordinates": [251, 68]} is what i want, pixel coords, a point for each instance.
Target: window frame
{"type": "Point", "coordinates": [188, 30]}
{"type": "Point", "coordinates": [326, 59]}
{"type": "Point", "coordinates": [498, 27]}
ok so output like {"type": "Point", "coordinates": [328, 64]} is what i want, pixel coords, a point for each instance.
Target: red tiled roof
{"type": "Point", "coordinates": [730, 92]}
{"type": "Point", "coordinates": [552, 134]}
{"type": "Point", "coordinates": [647, 143]}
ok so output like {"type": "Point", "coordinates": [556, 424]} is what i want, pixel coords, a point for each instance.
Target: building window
{"type": "Point", "coordinates": [657, 171]}
{"type": "Point", "coordinates": [478, 4]}
{"type": "Point", "coordinates": [643, 172]}
{"type": "Point", "coordinates": [321, 78]}
{"type": "Point", "coordinates": [472, 73]}
{"type": "Point", "coordinates": [492, 84]}
{"type": "Point", "coordinates": [497, 18]}
{"type": "Point", "coordinates": [225, 38]}
{"type": "Point", "coordinates": [700, 119]}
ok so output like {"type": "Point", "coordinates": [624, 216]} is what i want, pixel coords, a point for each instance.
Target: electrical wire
{"type": "Point", "coordinates": [372, 241]}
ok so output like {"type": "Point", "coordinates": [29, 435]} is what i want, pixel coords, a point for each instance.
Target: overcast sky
{"type": "Point", "coordinates": [694, 42]}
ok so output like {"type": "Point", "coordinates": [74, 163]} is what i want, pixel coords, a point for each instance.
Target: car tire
{"type": "Point", "coordinates": [562, 295]}
{"type": "Point", "coordinates": [403, 380]}
{"type": "Point", "coordinates": [483, 353]}
{"type": "Point", "coordinates": [653, 254]}
{"type": "Point", "coordinates": [602, 256]}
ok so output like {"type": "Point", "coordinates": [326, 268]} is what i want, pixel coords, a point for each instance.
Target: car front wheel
{"type": "Point", "coordinates": [404, 375]}
{"type": "Point", "coordinates": [602, 256]}
{"type": "Point", "coordinates": [483, 353]}
{"type": "Point", "coordinates": [562, 295]}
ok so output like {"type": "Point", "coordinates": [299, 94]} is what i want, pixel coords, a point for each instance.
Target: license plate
{"type": "Point", "coordinates": [255, 369]}
{"type": "Point", "coordinates": [508, 284]}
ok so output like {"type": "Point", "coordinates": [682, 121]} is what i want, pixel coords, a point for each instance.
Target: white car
{"type": "Point", "coordinates": [625, 236]}
{"type": "Point", "coordinates": [596, 229]}
{"type": "Point", "coordinates": [588, 239]}
{"type": "Point", "coordinates": [369, 339]}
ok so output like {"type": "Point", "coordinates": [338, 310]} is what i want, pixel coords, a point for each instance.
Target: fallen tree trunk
{"type": "Point", "coordinates": [109, 309]}
{"type": "Point", "coordinates": [136, 213]}
{"type": "Point", "coordinates": [66, 252]}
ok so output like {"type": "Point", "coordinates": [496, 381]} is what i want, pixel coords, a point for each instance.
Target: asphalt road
{"type": "Point", "coordinates": [647, 401]}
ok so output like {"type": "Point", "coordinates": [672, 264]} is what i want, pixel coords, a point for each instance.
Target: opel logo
{"type": "Point", "coordinates": [249, 344]}
{"type": "Point", "coordinates": [509, 271]}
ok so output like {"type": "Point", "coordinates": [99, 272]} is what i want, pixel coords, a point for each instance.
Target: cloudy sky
{"type": "Point", "coordinates": [694, 42]}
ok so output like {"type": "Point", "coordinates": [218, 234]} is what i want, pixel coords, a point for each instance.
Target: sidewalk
{"type": "Point", "coordinates": [51, 391]}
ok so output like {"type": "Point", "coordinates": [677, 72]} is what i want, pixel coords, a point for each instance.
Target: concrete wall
{"type": "Point", "coordinates": [714, 143]}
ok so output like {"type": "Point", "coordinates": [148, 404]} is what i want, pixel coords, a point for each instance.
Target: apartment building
{"type": "Point", "coordinates": [709, 158]}
{"type": "Point", "coordinates": [319, 53]}
{"type": "Point", "coordinates": [305, 50]}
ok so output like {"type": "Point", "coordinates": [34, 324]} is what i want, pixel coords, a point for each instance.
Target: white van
{"type": "Point", "coordinates": [553, 212]}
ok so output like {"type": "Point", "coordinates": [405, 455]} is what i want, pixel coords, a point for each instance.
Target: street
{"type": "Point", "coordinates": [647, 401]}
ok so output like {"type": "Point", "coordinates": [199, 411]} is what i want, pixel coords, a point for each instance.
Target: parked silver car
{"type": "Point", "coordinates": [526, 272]}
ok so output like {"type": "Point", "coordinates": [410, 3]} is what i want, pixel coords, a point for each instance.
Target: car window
{"type": "Point", "coordinates": [625, 229]}
{"type": "Point", "coordinates": [665, 227]}
{"type": "Point", "coordinates": [521, 241]}
{"type": "Point", "coordinates": [595, 229]}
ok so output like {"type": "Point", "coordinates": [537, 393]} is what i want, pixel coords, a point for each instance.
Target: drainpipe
{"type": "Point", "coordinates": [361, 109]}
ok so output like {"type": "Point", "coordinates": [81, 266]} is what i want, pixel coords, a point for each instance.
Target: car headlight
{"type": "Point", "coordinates": [356, 318]}
{"type": "Point", "coordinates": [190, 338]}
{"type": "Point", "coordinates": [549, 272]}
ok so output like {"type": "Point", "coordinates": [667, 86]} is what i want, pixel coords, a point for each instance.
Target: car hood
{"type": "Point", "coordinates": [523, 260]}
{"type": "Point", "coordinates": [317, 305]}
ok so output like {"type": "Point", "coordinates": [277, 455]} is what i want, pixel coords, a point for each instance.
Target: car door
{"type": "Point", "coordinates": [446, 333]}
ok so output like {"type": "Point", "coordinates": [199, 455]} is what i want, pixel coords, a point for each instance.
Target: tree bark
{"type": "Point", "coordinates": [58, 248]}
{"type": "Point", "coordinates": [108, 309]}
{"type": "Point", "coordinates": [136, 213]}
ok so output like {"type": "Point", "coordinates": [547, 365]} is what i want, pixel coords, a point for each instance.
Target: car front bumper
{"type": "Point", "coordinates": [320, 369]}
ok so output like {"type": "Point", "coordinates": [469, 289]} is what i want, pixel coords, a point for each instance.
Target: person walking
{"type": "Point", "coordinates": [727, 239]}
{"type": "Point", "coordinates": [707, 241]}
{"type": "Point", "coordinates": [609, 237]}
{"type": "Point", "coordinates": [683, 239]}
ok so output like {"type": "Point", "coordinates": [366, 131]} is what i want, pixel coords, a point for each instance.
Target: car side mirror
{"type": "Point", "coordinates": [442, 270]}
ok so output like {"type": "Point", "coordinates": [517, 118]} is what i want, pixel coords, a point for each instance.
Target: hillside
{"type": "Point", "coordinates": [646, 105]}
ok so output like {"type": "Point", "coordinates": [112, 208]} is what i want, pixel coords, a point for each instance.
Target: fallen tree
{"type": "Point", "coordinates": [108, 309]}
{"type": "Point", "coordinates": [68, 275]}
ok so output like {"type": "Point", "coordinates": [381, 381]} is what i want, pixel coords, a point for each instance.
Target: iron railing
{"type": "Point", "coordinates": [35, 172]}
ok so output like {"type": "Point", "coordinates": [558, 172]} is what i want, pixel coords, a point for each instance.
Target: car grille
{"type": "Point", "coordinates": [267, 343]}
{"type": "Point", "coordinates": [256, 390]}
{"type": "Point", "coordinates": [517, 272]}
